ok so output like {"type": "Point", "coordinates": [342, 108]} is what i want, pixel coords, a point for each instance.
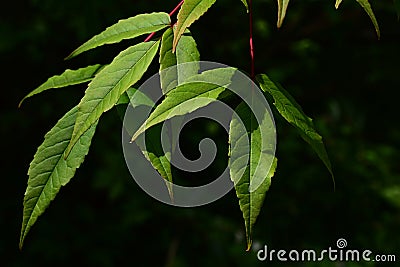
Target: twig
{"type": "Point", "coordinates": [148, 38]}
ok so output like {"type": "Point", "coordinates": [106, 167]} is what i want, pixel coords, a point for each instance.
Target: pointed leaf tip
{"type": "Point", "coordinates": [337, 4]}
{"type": "Point", "coordinates": [282, 7]}
{"type": "Point", "coordinates": [291, 111]}
{"type": "Point", "coordinates": [249, 243]}
{"type": "Point", "coordinates": [173, 70]}
{"type": "Point", "coordinates": [67, 78]}
{"type": "Point", "coordinates": [126, 29]}
{"type": "Point", "coordinates": [49, 171]}
{"type": "Point", "coordinates": [368, 9]}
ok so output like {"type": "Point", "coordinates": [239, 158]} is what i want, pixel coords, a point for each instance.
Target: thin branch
{"type": "Point", "coordinates": [148, 38]}
{"type": "Point", "coordinates": [176, 8]}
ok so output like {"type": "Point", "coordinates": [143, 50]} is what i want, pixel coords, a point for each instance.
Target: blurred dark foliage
{"type": "Point", "coordinates": [331, 61]}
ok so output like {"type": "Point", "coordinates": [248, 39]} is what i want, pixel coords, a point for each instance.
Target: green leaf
{"type": "Point", "coordinates": [109, 84]}
{"type": "Point", "coordinates": [337, 4]}
{"type": "Point", "coordinates": [126, 29]}
{"type": "Point", "coordinates": [292, 112]}
{"type": "Point", "coordinates": [135, 98]}
{"type": "Point", "coordinates": [245, 5]}
{"type": "Point", "coordinates": [197, 92]}
{"type": "Point", "coordinates": [49, 170]}
{"type": "Point", "coordinates": [252, 163]}
{"type": "Point", "coordinates": [367, 7]}
{"type": "Point", "coordinates": [186, 51]}
{"type": "Point", "coordinates": [68, 77]}
{"type": "Point", "coordinates": [282, 7]}
{"type": "Point", "coordinates": [190, 11]}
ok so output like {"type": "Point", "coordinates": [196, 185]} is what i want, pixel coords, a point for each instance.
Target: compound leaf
{"type": "Point", "coordinates": [110, 83]}
{"type": "Point", "coordinates": [292, 112]}
{"type": "Point", "coordinates": [198, 91]}
{"type": "Point", "coordinates": [126, 29]}
{"type": "Point", "coordinates": [252, 163]}
{"type": "Point", "coordinates": [190, 11]}
{"type": "Point", "coordinates": [67, 78]}
{"type": "Point", "coordinates": [367, 7]}
{"type": "Point", "coordinates": [49, 170]}
{"type": "Point", "coordinates": [282, 7]}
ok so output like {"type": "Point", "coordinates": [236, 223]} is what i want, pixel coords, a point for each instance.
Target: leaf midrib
{"type": "Point", "coordinates": [126, 74]}
{"type": "Point", "coordinates": [42, 189]}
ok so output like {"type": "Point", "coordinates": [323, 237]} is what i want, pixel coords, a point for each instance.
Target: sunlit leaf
{"type": "Point", "coordinates": [293, 113]}
{"type": "Point", "coordinates": [49, 170]}
{"type": "Point", "coordinates": [337, 4]}
{"type": "Point", "coordinates": [245, 5]}
{"type": "Point", "coordinates": [173, 71]}
{"type": "Point", "coordinates": [367, 7]}
{"type": "Point", "coordinates": [110, 83]}
{"type": "Point", "coordinates": [159, 154]}
{"type": "Point", "coordinates": [282, 7]}
{"type": "Point", "coordinates": [126, 29]}
{"type": "Point", "coordinates": [197, 92]}
{"type": "Point", "coordinates": [251, 161]}
{"type": "Point", "coordinates": [190, 11]}
{"type": "Point", "coordinates": [67, 78]}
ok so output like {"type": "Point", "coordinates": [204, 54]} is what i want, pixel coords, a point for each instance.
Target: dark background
{"type": "Point", "coordinates": [331, 61]}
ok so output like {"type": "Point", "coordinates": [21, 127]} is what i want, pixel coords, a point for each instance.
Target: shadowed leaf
{"type": "Point", "coordinates": [197, 92]}
{"type": "Point", "coordinates": [292, 112]}
{"type": "Point", "coordinates": [173, 71]}
{"type": "Point", "coordinates": [282, 7]}
{"type": "Point", "coordinates": [337, 4]}
{"type": "Point", "coordinates": [367, 7]}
